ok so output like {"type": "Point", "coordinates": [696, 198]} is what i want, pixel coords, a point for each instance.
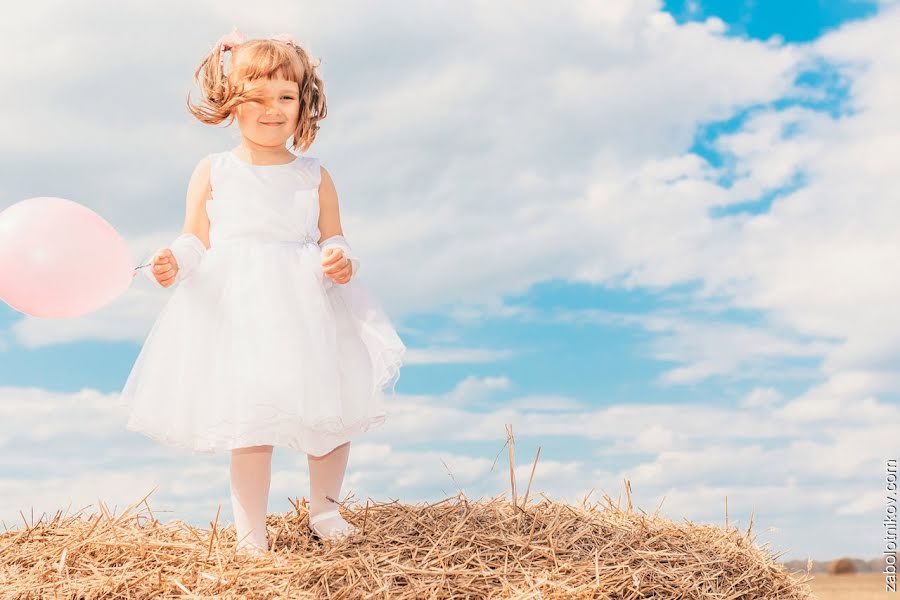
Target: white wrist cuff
{"type": "Point", "coordinates": [188, 251]}
{"type": "Point", "coordinates": [339, 241]}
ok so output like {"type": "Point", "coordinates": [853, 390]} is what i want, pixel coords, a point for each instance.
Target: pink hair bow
{"type": "Point", "coordinates": [286, 38]}
{"type": "Point", "coordinates": [235, 38]}
{"type": "Point", "coordinates": [230, 40]}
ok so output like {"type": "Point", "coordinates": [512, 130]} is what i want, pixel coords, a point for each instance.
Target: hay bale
{"type": "Point", "coordinates": [452, 548]}
{"type": "Point", "coordinates": [841, 566]}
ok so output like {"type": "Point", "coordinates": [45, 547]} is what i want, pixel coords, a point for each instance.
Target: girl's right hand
{"type": "Point", "coordinates": [165, 268]}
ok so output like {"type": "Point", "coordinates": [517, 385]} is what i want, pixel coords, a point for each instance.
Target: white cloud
{"type": "Point", "coordinates": [438, 356]}
{"type": "Point", "coordinates": [864, 503]}
{"type": "Point", "coordinates": [475, 390]}
{"type": "Point", "coordinates": [764, 397]}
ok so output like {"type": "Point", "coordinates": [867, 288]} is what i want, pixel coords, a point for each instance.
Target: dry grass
{"type": "Point", "coordinates": [455, 548]}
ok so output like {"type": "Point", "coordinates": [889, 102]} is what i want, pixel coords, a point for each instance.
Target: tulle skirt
{"type": "Point", "coordinates": [257, 346]}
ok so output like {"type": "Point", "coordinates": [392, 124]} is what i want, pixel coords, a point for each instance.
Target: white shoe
{"type": "Point", "coordinates": [340, 533]}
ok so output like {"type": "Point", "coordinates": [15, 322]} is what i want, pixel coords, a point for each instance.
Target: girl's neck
{"type": "Point", "coordinates": [261, 155]}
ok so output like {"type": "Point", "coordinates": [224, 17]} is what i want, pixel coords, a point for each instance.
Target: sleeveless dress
{"type": "Point", "coordinates": [257, 345]}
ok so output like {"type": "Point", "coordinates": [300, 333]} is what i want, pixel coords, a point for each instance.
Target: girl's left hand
{"type": "Point", "coordinates": [336, 266]}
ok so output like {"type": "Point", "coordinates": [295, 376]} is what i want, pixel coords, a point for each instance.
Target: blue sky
{"type": "Point", "coordinates": [798, 21]}
{"type": "Point", "coordinates": [679, 305]}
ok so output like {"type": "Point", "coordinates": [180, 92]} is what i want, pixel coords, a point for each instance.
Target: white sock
{"type": "Point", "coordinates": [326, 474]}
{"type": "Point", "coordinates": [251, 474]}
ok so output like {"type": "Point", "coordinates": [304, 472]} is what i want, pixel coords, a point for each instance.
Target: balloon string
{"type": "Point", "coordinates": [142, 266]}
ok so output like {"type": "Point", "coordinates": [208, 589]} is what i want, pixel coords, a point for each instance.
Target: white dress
{"type": "Point", "coordinates": [258, 346]}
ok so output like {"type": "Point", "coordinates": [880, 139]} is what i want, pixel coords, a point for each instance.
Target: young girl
{"type": "Point", "coordinates": [269, 339]}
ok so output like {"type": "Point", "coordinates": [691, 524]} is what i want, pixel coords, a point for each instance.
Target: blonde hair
{"type": "Point", "coordinates": [250, 61]}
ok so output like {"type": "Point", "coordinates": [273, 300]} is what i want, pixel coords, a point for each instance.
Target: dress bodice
{"type": "Point", "coordinates": [265, 203]}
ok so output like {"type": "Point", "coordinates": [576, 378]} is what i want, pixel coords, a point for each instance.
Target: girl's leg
{"type": "Point", "coordinates": [326, 474]}
{"type": "Point", "coordinates": [251, 474]}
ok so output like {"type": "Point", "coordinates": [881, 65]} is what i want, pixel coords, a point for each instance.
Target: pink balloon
{"type": "Point", "coordinates": [60, 259]}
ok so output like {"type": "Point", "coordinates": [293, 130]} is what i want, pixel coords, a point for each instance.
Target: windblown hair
{"type": "Point", "coordinates": [250, 61]}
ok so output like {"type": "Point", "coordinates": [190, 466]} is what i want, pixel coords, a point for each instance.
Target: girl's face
{"type": "Point", "coordinates": [281, 109]}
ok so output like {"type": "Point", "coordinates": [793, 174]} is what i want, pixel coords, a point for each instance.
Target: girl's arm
{"type": "Point", "coordinates": [190, 247]}
{"type": "Point", "coordinates": [329, 212]}
{"type": "Point", "coordinates": [196, 221]}
{"type": "Point", "coordinates": [330, 220]}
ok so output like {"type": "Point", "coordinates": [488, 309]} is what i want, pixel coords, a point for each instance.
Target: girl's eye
{"type": "Point", "coordinates": [288, 97]}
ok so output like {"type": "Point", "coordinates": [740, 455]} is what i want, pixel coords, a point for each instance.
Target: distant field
{"type": "Point", "coordinates": [866, 586]}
